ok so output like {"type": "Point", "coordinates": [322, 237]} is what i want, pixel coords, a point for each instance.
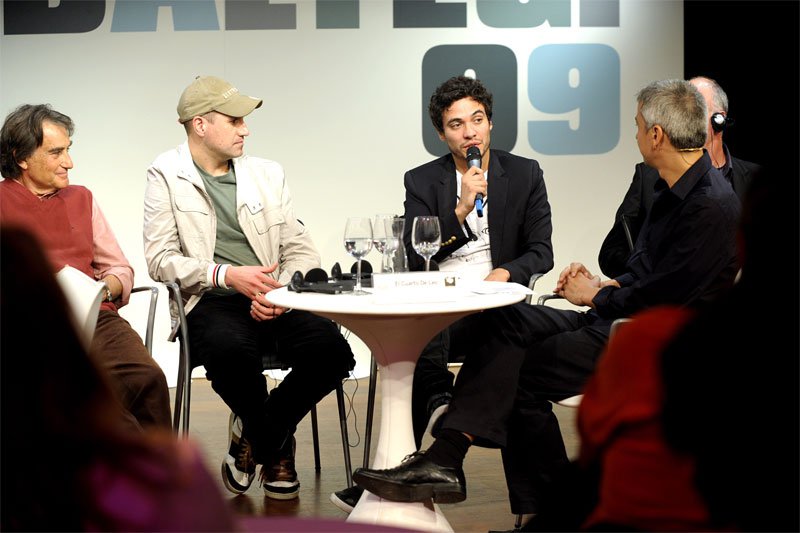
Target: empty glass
{"type": "Point", "coordinates": [426, 237]}
{"type": "Point", "coordinates": [358, 243]}
{"type": "Point", "coordinates": [394, 240]}
{"type": "Point", "coordinates": [380, 236]}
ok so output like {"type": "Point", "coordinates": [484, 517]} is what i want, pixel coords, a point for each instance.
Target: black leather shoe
{"type": "Point", "coordinates": [417, 479]}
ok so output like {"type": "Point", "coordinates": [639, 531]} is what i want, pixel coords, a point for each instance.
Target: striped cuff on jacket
{"type": "Point", "coordinates": [216, 275]}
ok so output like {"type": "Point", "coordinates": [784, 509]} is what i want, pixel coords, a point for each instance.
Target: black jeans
{"type": "Point", "coordinates": [562, 349]}
{"type": "Point", "coordinates": [230, 344]}
{"type": "Point", "coordinates": [520, 358]}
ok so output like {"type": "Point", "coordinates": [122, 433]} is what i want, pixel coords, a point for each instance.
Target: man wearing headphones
{"type": "Point", "coordinates": [631, 213]}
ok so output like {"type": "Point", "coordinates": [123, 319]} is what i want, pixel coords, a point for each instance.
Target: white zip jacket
{"type": "Point", "coordinates": [180, 224]}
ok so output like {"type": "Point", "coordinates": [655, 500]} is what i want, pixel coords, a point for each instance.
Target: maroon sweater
{"type": "Point", "coordinates": [62, 222]}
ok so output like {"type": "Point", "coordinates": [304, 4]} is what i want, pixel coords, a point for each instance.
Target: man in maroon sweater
{"type": "Point", "coordinates": [35, 193]}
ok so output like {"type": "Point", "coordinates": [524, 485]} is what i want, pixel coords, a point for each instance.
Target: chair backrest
{"type": "Point", "coordinates": [180, 333]}
{"type": "Point", "coordinates": [151, 314]}
{"type": "Point", "coordinates": [626, 226]}
{"type": "Point", "coordinates": [616, 324]}
{"type": "Point", "coordinates": [84, 296]}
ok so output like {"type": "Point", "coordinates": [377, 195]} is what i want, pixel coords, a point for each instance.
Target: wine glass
{"type": "Point", "coordinates": [358, 243]}
{"type": "Point", "coordinates": [380, 237]}
{"type": "Point", "coordinates": [426, 237]}
{"type": "Point", "coordinates": [394, 239]}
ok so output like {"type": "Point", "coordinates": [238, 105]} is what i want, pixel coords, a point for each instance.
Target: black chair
{"type": "Point", "coordinates": [183, 389]}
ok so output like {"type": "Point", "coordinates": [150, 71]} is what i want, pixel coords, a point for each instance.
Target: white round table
{"type": "Point", "coordinates": [396, 325]}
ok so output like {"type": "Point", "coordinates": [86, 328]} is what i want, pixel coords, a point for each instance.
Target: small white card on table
{"type": "Point", "coordinates": [414, 280]}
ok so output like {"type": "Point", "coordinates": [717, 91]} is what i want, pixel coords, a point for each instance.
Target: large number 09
{"type": "Point", "coordinates": [578, 82]}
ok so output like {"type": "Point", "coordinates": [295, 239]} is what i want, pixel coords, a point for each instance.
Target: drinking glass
{"type": "Point", "coordinates": [358, 243]}
{"type": "Point", "coordinates": [426, 237]}
{"type": "Point", "coordinates": [380, 238]}
{"type": "Point", "coordinates": [394, 239]}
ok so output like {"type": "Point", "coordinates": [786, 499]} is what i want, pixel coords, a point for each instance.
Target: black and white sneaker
{"type": "Point", "coordinates": [280, 477]}
{"type": "Point", "coordinates": [346, 499]}
{"type": "Point", "coordinates": [238, 467]}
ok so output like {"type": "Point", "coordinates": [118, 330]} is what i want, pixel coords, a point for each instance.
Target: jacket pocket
{"type": "Point", "coordinates": [263, 222]}
{"type": "Point", "coordinates": [191, 204]}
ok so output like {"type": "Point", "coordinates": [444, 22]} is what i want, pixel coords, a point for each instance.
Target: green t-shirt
{"type": "Point", "coordinates": [231, 246]}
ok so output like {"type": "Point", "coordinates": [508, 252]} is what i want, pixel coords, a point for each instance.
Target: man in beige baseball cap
{"type": "Point", "coordinates": [209, 93]}
{"type": "Point", "coordinates": [221, 224]}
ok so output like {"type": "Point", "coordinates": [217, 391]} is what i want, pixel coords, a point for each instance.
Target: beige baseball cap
{"type": "Point", "coordinates": [209, 93]}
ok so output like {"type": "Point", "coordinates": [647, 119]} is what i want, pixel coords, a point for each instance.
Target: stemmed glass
{"type": "Point", "coordinates": [426, 237]}
{"type": "Point", "coordinates": [358, 243]}
{"type": "Point", "coordinates": [380, 236]}
{"type": "Point", "coordinates": [394, 238]}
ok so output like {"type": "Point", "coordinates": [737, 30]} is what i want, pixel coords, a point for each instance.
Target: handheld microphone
{"type": "Point", "coordinates": [474, 160]}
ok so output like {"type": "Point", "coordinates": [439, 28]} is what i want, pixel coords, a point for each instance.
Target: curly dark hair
{"type": "Point", "coordinates": [22, 134]}
{"type": "Point", "coordinates": [454, 89]}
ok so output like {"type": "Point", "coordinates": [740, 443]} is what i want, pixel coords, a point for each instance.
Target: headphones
{"type": "Point", "coordinates": [719, 122]}
{"type": "Point", "coordinates": [316, 275]}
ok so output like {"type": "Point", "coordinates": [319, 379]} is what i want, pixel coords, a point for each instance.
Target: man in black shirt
{"type": "Point", "coordinates": [686, 255]}
{"type": "Point", "coordinates": [631, 213]}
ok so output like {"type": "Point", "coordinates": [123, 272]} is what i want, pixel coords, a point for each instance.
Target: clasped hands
{"type": "Point", "coordinates": [578, 286]}
{"type": "Point", "coordinates": [254, 282]}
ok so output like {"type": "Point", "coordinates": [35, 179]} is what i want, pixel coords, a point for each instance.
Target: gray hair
{"type": "Point", "coordinates": [679, 108]}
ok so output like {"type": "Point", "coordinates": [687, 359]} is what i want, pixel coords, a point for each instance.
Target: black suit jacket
{"type": "Point", "coordinates": [615, 251]}
{"type": "Point", "coordinates": [517, 208]}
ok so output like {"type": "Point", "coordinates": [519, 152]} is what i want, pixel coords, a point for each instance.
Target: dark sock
{"type": "Point", "coordinates": [449, 449]}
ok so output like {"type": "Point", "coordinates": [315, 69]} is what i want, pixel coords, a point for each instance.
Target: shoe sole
{"type": "Point", "coordinates": [342, 505]}
{"type": "Point", "coordinates": [282, 493]}
{"type": "Point", "coordinates": [402, 492]}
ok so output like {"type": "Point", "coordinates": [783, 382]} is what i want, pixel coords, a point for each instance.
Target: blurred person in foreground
{"type": "Point", "coordinates": [63, 427]}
